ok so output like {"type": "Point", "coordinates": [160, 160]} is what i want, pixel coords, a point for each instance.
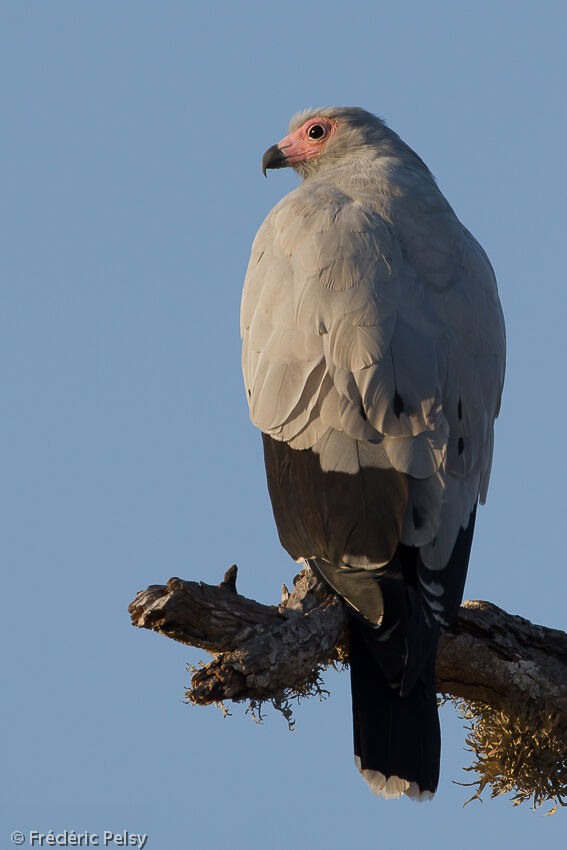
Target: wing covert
{"type": "Point", "coordinates": [398, 344]}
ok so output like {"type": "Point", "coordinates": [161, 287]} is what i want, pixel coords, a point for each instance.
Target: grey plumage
{"type": "Point", "coordinates": [373, 336]}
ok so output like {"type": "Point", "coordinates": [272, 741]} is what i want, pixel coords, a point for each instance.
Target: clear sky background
{"type": "Point", "coordinates": [131, 191]}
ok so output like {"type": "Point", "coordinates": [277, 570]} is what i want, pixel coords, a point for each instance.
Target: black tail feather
{"type": "Point", "coordinates": [396, 736]}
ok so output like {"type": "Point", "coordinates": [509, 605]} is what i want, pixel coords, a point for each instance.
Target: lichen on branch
{"type": "Point", "coordinates": [507, 675]}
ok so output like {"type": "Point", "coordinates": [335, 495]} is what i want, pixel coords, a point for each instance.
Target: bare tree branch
{"type": "Point", "coordinates": [488, 655]}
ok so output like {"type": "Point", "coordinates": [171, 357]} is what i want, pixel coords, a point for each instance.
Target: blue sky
{"type": "Point", "coordinates": [131, 182]}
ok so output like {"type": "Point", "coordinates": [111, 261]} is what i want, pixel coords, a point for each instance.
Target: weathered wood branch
{"type": "Point", "coordinates": [261, 650]}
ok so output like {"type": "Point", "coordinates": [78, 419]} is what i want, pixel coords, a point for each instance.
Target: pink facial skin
{"type": "Point", "coordinates": [298, 147]}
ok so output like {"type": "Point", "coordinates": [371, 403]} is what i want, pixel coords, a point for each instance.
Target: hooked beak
{"type": "Point", "coordinates": [273, 158]}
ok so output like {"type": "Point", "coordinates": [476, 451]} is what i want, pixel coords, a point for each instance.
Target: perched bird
{"type": "Point", "coordinates": [373, 358]}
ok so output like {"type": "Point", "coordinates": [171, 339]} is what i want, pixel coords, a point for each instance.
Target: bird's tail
{"type": "Point", "coordinates": [397, 742]}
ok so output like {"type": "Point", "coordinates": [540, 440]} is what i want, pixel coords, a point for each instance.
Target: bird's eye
{"type": "Point", "coordinates": [317, 131]}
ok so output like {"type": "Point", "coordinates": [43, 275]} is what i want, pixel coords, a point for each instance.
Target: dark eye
{"type": "Point", "coordinates": [317, 131]}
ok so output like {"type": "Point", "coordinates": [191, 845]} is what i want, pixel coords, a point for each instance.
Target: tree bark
{"type": "Point", "coordinates": [262, 651]}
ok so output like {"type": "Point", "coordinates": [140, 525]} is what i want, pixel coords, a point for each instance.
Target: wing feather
{"type": "Point", "coordinates": [378, 342]}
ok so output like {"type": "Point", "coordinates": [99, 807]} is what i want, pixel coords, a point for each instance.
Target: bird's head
{"type": "Point", "coordinates": [323, 137]}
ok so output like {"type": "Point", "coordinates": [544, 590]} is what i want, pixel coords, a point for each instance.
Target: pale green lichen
{"type": "Point", "coordinates": [523, 754]}
{"type": "Point", "coordinates": [283, 700]}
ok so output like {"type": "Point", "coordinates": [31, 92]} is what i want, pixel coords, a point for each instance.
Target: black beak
{"type": "Point", "coordinates": [273, 158]}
